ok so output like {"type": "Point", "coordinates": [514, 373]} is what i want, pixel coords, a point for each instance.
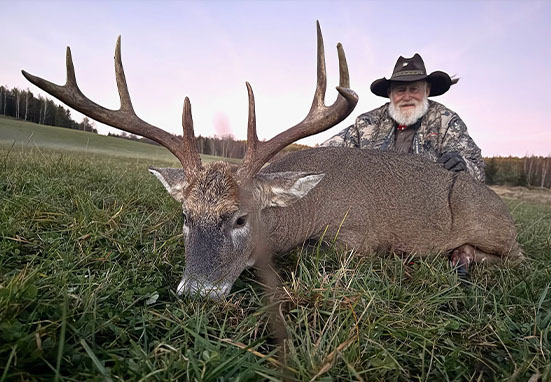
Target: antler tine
{"type": "Point", "coordinates": [49, 87]}
{"type": "Point", "coordinates": [124, 95]}
{"type": "Point", "coordinates": [319, 118]}
{"type": "Point", "coordinates": [252, 138]}
{"type": "Point", "coordinates": [71, 77]}
{"type": "Point", "coordinates": [191, 158]}
{"type": "Point", "coordinates": [124, 119]}
{"type": "Point", "coordinates": [321, 88]}
{"type": "Point", "coordinates": [344, 77]}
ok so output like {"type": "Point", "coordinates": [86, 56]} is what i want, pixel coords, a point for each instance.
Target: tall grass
{"type": "Point", "coordinates": [91, 251]}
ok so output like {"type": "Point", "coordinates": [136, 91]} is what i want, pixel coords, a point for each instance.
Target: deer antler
{"type": "Point", "coordinates": [319, 118]}
{"type": "Point", "coordinates": [185, 149]}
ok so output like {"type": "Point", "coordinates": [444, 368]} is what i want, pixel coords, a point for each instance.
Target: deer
{"type": "Point", "coordinates": [368, 201]}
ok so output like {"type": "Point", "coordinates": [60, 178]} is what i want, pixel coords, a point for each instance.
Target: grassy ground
{"type": "Point", "coordinates": [24, 135]}
{"type": "Point", "coordinates": [91, 252]}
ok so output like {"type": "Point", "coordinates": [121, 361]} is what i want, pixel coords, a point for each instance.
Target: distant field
{"type": "Point", "coordinates": [25, 135]}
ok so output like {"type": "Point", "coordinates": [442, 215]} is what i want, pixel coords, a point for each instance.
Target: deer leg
{"type": "Point", "coordinates": [486, 258]}
{"type": "Point", "coordinates": [462, 257]}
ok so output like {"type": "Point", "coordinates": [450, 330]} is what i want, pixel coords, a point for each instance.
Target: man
{"type": "Point", "coordinates": [411, 123]}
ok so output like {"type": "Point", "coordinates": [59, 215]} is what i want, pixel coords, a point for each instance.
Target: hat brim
{"type": "Point", "coordinates": [440, 83]}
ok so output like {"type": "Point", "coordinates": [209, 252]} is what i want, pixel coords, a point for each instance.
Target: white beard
{"type": "Point", "coordinates": [408, 118]}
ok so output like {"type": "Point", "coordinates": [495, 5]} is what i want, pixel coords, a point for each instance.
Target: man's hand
{"type": "Point", "coordinates": [453, 162]}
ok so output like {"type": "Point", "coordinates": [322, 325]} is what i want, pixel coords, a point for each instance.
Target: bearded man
{"type": "Point", "coordinates": [411, 123]}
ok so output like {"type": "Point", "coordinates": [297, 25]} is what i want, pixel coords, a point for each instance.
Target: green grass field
{"type": "Point", "coordinates": [91, 252]}
{"type": "Point", "coordinates": [23, 136]}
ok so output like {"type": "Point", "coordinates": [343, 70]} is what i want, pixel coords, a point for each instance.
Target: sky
{"type": "Point", "coordinates": [206, 50]}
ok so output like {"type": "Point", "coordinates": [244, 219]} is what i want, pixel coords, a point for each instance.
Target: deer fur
{"type": "Point", "coordinates": [366, 201]}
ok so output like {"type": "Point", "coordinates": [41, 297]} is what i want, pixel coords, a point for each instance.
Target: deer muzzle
{"type": "Point", "coordinates": [203, 288]}
{"type": "Point", "coordinates": [213, 262]}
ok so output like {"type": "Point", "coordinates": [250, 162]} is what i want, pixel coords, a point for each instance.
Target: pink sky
{"type": "Point", "coordinates": [207, 50]}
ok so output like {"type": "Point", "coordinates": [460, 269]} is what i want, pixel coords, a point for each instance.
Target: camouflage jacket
{"type": "Point", "coordinates": [441, 131]}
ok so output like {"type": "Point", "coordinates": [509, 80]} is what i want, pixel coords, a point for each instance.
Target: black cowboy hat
{"type": "Point", "coordinates": [410, 70]}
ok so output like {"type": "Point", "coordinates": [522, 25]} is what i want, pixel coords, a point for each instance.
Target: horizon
{"type": "Point", "coordinates": [207, 50]}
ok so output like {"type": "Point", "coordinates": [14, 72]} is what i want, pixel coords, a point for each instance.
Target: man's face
{"type": "Point", "coordinates": [408, 100]}
{"type": "Point", "coordinates": [408, 95]}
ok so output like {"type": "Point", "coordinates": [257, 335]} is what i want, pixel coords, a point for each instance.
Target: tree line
{"type": "Point", "coordinates": [225, 146]}
{"type": "Point", "coordinates": [24, 105]}
{"type": "Point", "coordinates": [221, 146]}
{"type": "Point", "coordinates": [512, 171]}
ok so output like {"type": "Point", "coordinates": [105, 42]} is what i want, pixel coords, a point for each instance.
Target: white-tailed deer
{"type": "Point", "coordinates": [367, 200]}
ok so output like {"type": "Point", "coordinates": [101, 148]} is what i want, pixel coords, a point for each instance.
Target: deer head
{"type": "Point", "coordinates": [221, 204]}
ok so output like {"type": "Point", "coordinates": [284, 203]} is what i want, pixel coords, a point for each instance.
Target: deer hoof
{"type": "Point", "coordinates": [461, 259]}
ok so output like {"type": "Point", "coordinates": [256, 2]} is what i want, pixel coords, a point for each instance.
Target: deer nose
{"type": "Point", "coordinates": [202, 288]}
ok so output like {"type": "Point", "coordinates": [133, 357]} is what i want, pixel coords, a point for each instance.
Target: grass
{"type": "Point", "coordinates": [91, 252]}
{"type": "Point", "coordinates": [25, 135]}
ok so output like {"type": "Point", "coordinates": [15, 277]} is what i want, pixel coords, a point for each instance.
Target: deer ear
{"type": "Point", "coordinates": [173, 179]}
{"type": "Point", "coordinates": [280, 189]}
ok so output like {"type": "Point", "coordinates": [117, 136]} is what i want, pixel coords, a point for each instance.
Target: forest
{"type": "Point", "coordinates": [24, 105]}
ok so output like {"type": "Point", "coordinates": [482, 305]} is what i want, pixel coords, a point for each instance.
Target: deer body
{"type": "Point", "coordinates": [361, 200]}
{"type": "Point", "coordinates": [372, 200]}
{"type": "Point", "coordinates": [365, 200]}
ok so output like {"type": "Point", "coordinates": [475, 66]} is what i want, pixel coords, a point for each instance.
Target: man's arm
{"type": "Point", "coordinates": [360, 134]}
{"type": "Point", "coordinates": [457, 140]}
{"type": "Point", "coordinates": [348, 137]}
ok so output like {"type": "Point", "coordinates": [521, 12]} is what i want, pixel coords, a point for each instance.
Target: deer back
{"type": "Point", "coordinates": [372, 200]}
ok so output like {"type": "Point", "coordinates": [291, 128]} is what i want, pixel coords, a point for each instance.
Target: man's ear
{"type": "Point", "coordinates": [428, 88]}
{"type": "Point", "coordinates": [280, 189]}
{"type": "Point", "coordinates": [173, 179]}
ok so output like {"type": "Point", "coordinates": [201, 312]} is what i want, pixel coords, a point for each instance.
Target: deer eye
{"type": "Point", "coordinates": [240, 221]}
